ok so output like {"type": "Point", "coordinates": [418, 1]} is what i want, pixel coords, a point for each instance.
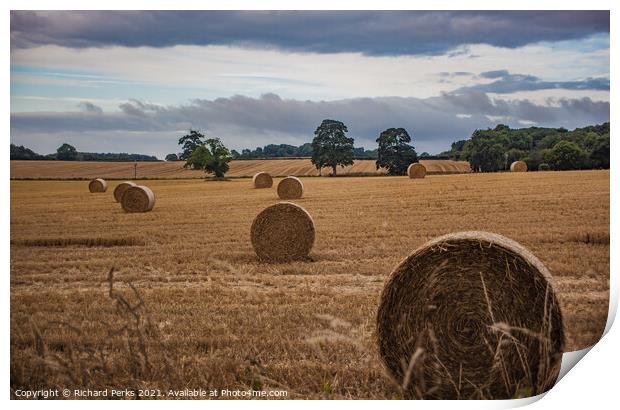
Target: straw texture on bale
{"type": "Point", "coordinates": [471, 315]}
{"type": "Point", "coordinates": [282, 232]}
{"type": "Point", "coordinates": [518, 166]}
{"type": "Point", "coordinates": [290, 188]}
{"type": "Point", "coordinates": [120, 189]}
{"type": "Point", "coordinates": [138, 199]}
{"type": "Point", "coordinates": [262, 180]}
{"type": "Point", "coordinates": [97, 185]}
{"type": "Point", "coordinates": [416, 170]}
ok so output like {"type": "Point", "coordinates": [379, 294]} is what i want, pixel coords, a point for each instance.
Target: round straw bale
{"type": "Point", "coordinates": [138, 199]}
{"type": "Point", "coordinates": [416, 170]}
{"type": "Point", "coordinates": [290, 188]}
{"type": "Point", "coordinates": [282, 232]}
{"type": "Point", "coordinates": [518, 166]}
{"type": "Point", "coordinates": [471, 315]}
{"type": "Point", "coordinates": [97, 185]}
{"type": "Point", "coordinates": [262, 180]}
{"type": "Point", "coordinates": [120, 189]}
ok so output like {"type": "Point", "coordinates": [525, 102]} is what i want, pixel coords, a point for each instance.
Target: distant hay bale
{"type": "Point", "coordinates": [290, 188]}
{"type": "Point", "coordinates": [282, 232]}
{"type": "Point", "coordinates": [416, 170]}
{"type": "Point", "coordinates": [120, 189]}
{"type": "Point", "coordinates": [262, 180]}
{"type": "Point", "coordinates": [518, 166]}
{"type": "Point", "coordinates": [97, 185]}
{"type": "Point", "coordinates": [471, 315]}
{"type": "Point", "coordinates": [138, 199]}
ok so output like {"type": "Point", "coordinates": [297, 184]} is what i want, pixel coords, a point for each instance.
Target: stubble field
{"type": "Point", "coordinates": [301, 167]}
{"type": "Point", "coordinates": [215, 318]}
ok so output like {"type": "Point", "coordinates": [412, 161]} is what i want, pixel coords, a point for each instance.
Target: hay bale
{"type": "Point", "coordinates": [138, 199]}
{"type": "Point", "coordinates": [518, 166]}
{"type": "Point", "coordinates": [120, 189]}
{"type": "Point", "coordinates": [97, 185]}
{"type": "Point", "coordinates": [471, 315]}
{"type": "Point", "coordinates": [282, 232]}
{"type": "Point", "coordinates": [290, 188]}
{"type": "Point", "coordinates": [416, 170]}
{"type": "Point", "coordinates": [262, 180]}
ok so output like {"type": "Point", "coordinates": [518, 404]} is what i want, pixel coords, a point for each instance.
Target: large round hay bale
{"type": "Point", "coordinates": [120, 189]}
{"type": "Point", "coordinates": [471, 315]}
{"type": "Point", "coordinates": [262, 180]}
{"type": "Point", "coordinates": [518, 166]}
{"type": "Point", "coordinates": [290, 188]}
{"type": "Point", "coordinates": [416, 170]}
{"type": "Point", "coordinates": [282, 232]}
{"type": "Point", "coordinates": [97, 185]}
{"type": "Point", "coordinates": [138, 199]}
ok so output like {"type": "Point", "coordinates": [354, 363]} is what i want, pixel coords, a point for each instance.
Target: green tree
{"type": "Point", "coordinates": [566, 155]}
{"type": "Point", "coordinates": [484, 154]}
{"type": "Point", "coordinates": [544, 167]}
{"type": "Point", "coordinates": [66, 152]}
{"type": "Point", "coordinates": [535, 158]}
{"type": "Point", "coordinates": [599, 152]}
{"type": "Point", "coordinates": [212, 157]}
{"type": "Point", "coordinates": [22, 153]}
{"type": "Point", "coordinates": [172, 157]}
{"type": "Point", "coordinates": [331, 147]}
{"type": "Point", "coordinates": [394, 152]}
{"type": "Point", "coordinates": [189, 143]}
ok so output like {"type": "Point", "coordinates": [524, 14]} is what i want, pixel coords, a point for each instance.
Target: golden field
{"type": "Point", "coordinates": [238, 168]}
{"type": "Point", "coordinates": [216, 318]}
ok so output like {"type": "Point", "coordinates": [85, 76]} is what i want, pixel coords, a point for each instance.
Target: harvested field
{"type": "Point", "coordinates": [238, 168]}
{"type": "Point", "coordinates": [222, 320]}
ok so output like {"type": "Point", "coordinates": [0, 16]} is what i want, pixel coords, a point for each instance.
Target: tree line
{"type": "Point", "coordinates": [67, 152]}
{"type": "Point", "coordinates": [331, 148]}
{"type": "Point", "coordinates": [487, 150]}
{"type": "Point", "coordinates": [541, 148]}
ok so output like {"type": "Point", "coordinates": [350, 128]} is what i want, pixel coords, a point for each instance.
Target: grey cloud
{"type": "Point", "coordinates": [505, 83]}
{"type": "Point", "coordinates": [248, 122]}
{"type": "Point", "coordinates": [89, 107]}
{"type": "Point", "coordinates": [368, 32]}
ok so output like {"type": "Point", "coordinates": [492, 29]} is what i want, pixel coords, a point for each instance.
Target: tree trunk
{"type": "Point", "coordinates": [334, 170]}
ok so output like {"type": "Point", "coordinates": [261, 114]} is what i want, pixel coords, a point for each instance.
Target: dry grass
{"type": "Point", "coordinates": [228, 321]}
{"type": "Point", "coordinates": [246, 168]}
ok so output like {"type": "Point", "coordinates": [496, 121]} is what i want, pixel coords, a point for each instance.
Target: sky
{"type": "Point", "coordinates": [136, 81]}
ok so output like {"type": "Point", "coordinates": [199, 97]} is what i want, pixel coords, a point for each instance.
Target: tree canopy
{"type": "Point", "coordinates": [394, 151]}
{"type": "Point", "coordinates": [495, 149]}
{"type": "Point", "coordinates": [190, 142]}
{"type": "Point", "coordinates": [66, 152]}
{"type": "Point", "coordinates": [331, 147]}
{"type": "Point", "coordinates": [211, 156]}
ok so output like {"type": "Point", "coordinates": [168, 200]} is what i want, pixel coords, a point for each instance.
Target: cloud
{"type": "Point", "coordinates": [506, 83]}
{"type": "Point", "coordinates": [89, 107]}
{"type": "Point", "coordinates": [243, 121]}
{"type": "Point", "coordinates": [367, 32]}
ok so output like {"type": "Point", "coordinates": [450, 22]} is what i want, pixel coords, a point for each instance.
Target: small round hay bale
{"type": "Point", "coordinates": [97, 185]}
{"type": "Point", "coordinates": [518, 166]}
{"type": "Point", "coordinates": [138, 199]}
{"type": "Point", "coordinates": [416, 170]}
{"type": "Point", "coordinates": [262, 180]}
{"type": "Point", "coordinates": [290, 188]}
{"type": "Point", "coordinates": [282, 232]}
{"type": "Point", "coordinates": [120, 189]}
{"type": "Point", "coordinates": [471, 315]}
